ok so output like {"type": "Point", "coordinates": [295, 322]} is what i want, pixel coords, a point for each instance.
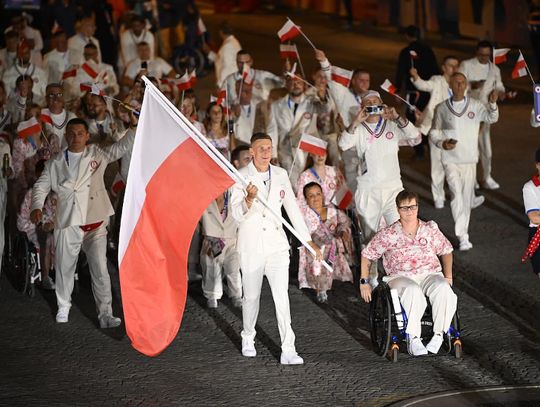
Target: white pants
{"type": "Point", "coordinates": [373, 205]}
{"type": "Point", "coordinates": [225, 265]}
{"type": "Point", "coordinates": [412, 292]}
{"type": "Point", "coordinates": [461, 179]}
{"type": "Point", "coordinates": [437, 173]}
{"type": "Point", "coordinates": [484, 149]}
{"type": "Point", "coordinates": [69, 242]}
{"type": "Point", "coordinates": [275, 267]}
{"type": "Point", "coordinates": [350, 164]}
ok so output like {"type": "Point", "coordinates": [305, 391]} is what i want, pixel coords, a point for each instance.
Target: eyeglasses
{"type": "Point", "coordinates": [55, 95]}
{"type": "Point", "coordinates": [408, 208]}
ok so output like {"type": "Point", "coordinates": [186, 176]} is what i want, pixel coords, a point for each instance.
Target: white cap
{"type": "Point", "coordinates": [370, 93]}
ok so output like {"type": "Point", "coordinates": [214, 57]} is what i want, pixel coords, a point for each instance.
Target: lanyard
{"type": "Point", "coordinates": [66, 157]}
{"type": "Point", "coordinates": [225, 204]}
{"type": "Point", "coordinates": [32, 142]}
{"type": "Point", "coordinates": [316, 175]}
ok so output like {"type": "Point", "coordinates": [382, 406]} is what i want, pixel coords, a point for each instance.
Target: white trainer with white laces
{"type": "Point", "coordinates": [439, 204]}
{"type": "Point", "coordinates": [464, 244]}
{"type": "Point", "coordinates": [109, 321]}
{"type": "Point", "coordinates": [62, 315]}
{"type": "Point", "coordinates": [291, 358]}
{"type": "Point", "coordinates": [248, 348]}
{"type": "Point", "coordinates": [415, 347]}
{"type": "Point", "coordinates": [211, 303]}
{"type": "Point", "coordinates": [490, 183]}
{"type": "Point", "coordinates": [435, 343]}
{"type": "Point", "coordinates": [477, 201]}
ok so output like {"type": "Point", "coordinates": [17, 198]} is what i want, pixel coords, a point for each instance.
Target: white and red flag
{"type": "Point", "coordinates": [289, 31]}
{"type": "Point", "coordinates": [91, 69]}
{"type": "Point", "coordinates": [201, 28]}
{"type": "Point", "coordinates": [71, 72]}
{"type": "Point", "coordinates": [389, 87]}
{"type": "Point", "coordinates": [247, 74]}
{"type": "Point", "coordinates": [312, 144]}
{"type": "Point", "coordinates": [220, 99]}
{"type": "Point", "coordinates": [93, 88]}
{"type": "Point", "coordinates": [342, 76]}
{"type": "Point", "coordinates": [28, 127]}
{"type": "Point", "coordinates": [288, 51]}
{"type": "Point", "coordinates": [520, 69]}
{"type": "Point", "coordinates": [186, 81]}
{"type": "Point", "coordinates": [499, 55]}
{"type": "Point", "coordinates": [46, 116]}
{"type": "Point", "coordinates": [343, 197]}
{"type": "Point", "coordinates": [413, 54]}
{"type": "Point", "coordinates": [173, 177]}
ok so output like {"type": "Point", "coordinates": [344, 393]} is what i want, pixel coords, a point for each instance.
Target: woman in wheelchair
{"type": "Point", "coordinates": [411, 249]}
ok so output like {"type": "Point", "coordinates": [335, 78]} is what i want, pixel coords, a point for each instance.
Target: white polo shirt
{"type": "Point", "coordinates": [531, 197]}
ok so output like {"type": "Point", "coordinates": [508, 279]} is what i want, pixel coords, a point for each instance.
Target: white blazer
{"type": "Point", "coordinates": [259, 231]}
{"type": "Point", "coordinates": [243, 127]}
{"type": "Point", "coordinates": [214, 226]}
{"type": "Point", "coordinates": [85, 200]}
{"type": "Point", "coordinates": [439, 91]}
{"type": "Point", "coordinates": [473, 70]}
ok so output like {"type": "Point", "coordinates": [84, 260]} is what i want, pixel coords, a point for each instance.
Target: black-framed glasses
{"type": "Point", "coordinates": [408, 208]}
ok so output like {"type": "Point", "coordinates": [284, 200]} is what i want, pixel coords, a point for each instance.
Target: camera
{"type": "Point", "coordinates": [374, 109]}
{"type": "Point", "coordinates": [144, 65]}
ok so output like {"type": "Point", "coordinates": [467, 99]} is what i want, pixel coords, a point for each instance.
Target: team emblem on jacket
{"type": "Point", "coordinates": [389, 135]}
{"type": "Point", "coordinates": [471, 115]}
{"type": "Point", "coordinates": [258, 85]}
{"type": "Point", "coordinates": [282, 194]}
{"type": "Point", "coordinates": [307, 115]}
{"type": "Point", "coordinates": [332, 185]}
{"type": "Point", "coordinates": [422, 241]}
{"type": "Point", "coordinates": [93, 164]}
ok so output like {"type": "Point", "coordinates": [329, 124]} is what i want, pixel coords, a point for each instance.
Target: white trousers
{"type": "Point", "coordinates": [412, 292]}
{"type": "Point", "coordinates": [225, 265]}
{"type": "Point", "coordinates": [373, 205]}
{"type": "Point", "coordinates": [461, 179]}
{"type": "Point", "coordinates": [275, 267]}
{"type": "Point", "coordinates": [69, 242]}
{"type": "Point", "coordinates": [484, 149]}
{"type": "Point", "coordinates": [437, 173]}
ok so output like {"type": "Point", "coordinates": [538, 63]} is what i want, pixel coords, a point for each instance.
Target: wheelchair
{"type": "Point", "coordinates": [22, 263]}
{"type": "Point", "coordinates": [387, 326]}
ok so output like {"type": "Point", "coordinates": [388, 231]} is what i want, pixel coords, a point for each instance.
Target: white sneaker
{"type": "Point", "coordinates": [435, 343]}
{"type": "Point", "coordinates": [490, 183]}
{"type": "Point", "coordinates": [476, 185]}
{"type": "Point", "coordinates": [439, 204]}
{"type": "Point", "coordinates": [477, 201]}
{"type": "Point", "coordinates": [322, 297]}
{"type": "Point", "coordinates": [109, 321]}
{"type": "Point", "coordinates": [291, 358]}
{"type": "Point", "coordinates": [62, 315]}
{"type": "Point", "coordinates": [248, 348]}
{"type": "Point", "coordinates": [464, 245]}
{"type": "Point", "coordinates": [415, 347]}
{"type": "Point", "coordinates": [211, 303]}
{"type": "Point", "coordinates": [237, 302]}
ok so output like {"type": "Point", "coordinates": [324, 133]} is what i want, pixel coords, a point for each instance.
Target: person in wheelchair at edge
{"type": "Point", "coordinates": [411, 249]}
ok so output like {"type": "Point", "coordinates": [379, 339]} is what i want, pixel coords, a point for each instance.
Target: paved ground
{"type": "Point", "coordinates": [78, 364]}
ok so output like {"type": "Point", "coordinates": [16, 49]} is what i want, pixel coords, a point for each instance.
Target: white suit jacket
{"type": "Point", "coordinates": [39, 76]}
{"type": "Point", "coordinates": [243, 127]}
{"type": "Point", "coordinates": [55, 63]}
{"type": "Point", "coordinates": [213, 224]}
{"type": "Point", "coordinates": [85, 200]}
{"type": "Point", "coordinates": [259, 231]}
{"type": "Point", "coordinates": [76, 46]}
{"type": "Point", "coordinates": [472, 69]}
{"type": "Point", "coordinates": [439, 91]}
{"type": "Point", "coordinates": [225, 61]}
{"type": "Point", "coordinates": [263, 83]}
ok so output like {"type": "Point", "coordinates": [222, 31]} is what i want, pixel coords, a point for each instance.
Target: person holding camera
{"type": "Point", "coordinates": [455, 130]}
{"type": "Point", "coordinates": [376, 133]}
{"type": "Point", "coordinates": [146, 64]}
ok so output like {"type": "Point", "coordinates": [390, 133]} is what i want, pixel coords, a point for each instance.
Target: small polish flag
{"type": "Point", "coordinates": [288, 31]}
{"type": "Point", "coordinates": [55, 28]}
{"type": "Point", "coordinates": [221, 97]}
{"type": "Point", "coordinates": [93, 88]}
{"type": "Point", "coordinates": [91, 69]}
{"type": "Point", "coordinates": [520, 69]}
{"type": "Point", "coordinates": [71, 72]}
{"type": "Point", "coordinates": [312, 144]}
{"type": "Point", "coordinates": [413, 54]}
{"type": "Point", "coordinates": [247, 74]}
{"type": "Point", "coordinates": [193, 78]}
{"type": "Point", "coordinates": [389, 87]}
{"type": "Point", "coordinates": [183, 83]}
{"type": "Point", "coordinates": [201, 28]}
{"type": "Point", "coordinates": [46, 116]}
{"type": "Point", "coordinates": [343, 197]}
{"type": "Point", "coordinates": [499, 55]}
{"type": "Point", "coordinates": [118, 184]}
{"type": "Point", "coordinates": [28, 128]}
{"type": "Point", "coordinates": [342, 76]}
{"type": "Point", "coordinates": [288, 51]}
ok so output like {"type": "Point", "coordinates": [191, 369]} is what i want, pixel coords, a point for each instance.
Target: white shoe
{"type": "Point", "coordinates": [291, 358]}
{"type": "Point", "coordinates": [248, 348]}
{"type": "Point", "coordinates": [62, 315]}
{"type": "Point", "coordinates": [435, 343]}
{"type": "Point", "coordinates": [211, 303]}
{"type": "Point", "coordinates": [237, 302]}
{"type": "Point", "coordinates": [477, 201]}
{"type": "Point", "coordinates": [415, 347]}
{"type": "Point", "coordinates": [476, 185]}
{"type": "Point", "coordinates": [439, 204]}
{"type": "Point", "coordinates": [464, 245]}
{"type": "Point", "coordinates": [490, 183]}
{"type": "Point", "coordinates": [109, 321]}
{"type": "Point", "coordinates": [322, 297]}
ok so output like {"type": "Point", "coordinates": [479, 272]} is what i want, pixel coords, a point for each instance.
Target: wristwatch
{"type": "Point", "coordinates": [364, 281]}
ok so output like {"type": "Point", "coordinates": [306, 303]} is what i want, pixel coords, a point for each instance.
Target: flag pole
{"type": "Point", "coordinates": [303, 80]}
{"type": "Point", "coordinates": [403, 100]}
{"type": "Point", "coordinates": [300, 63]}
{"type": "Point", "coordinates": [205, 144]}
{"type": "Point", "coordinates": [304, 35]}
{"type": "Point", "coordinates": [294, 160]}
{"type": "Point", "coordinates": [527, 67]}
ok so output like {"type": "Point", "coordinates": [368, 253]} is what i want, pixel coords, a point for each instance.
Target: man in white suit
{"type": "Point", "coordinates": [219, 257]}
{"type": "Point", "coordinates": [225, 60]}
{"type": "Point", "coordinates": [262, 244]}
{"type": "Point", "coordinates": [83, 210]}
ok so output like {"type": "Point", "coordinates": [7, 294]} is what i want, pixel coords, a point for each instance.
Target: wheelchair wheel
{"type": "Point", "coordinates": [380, 320]}
{"type": "Point", "coordinates": [453, 338]}
{"type": "Point", "coordinates": [18, 269]}
{"type": "Point", "coordinates": [186, 58]}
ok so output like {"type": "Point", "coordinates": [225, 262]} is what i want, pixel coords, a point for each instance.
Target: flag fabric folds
{"type": "Point", "coordinates": [312, 144]}
{"type": "Point", "coordinates": [173, 177]}
{"type": "Point", "coordinates": [289, 31]}
{"type": "Point", "coordinates": [342, 76]}
{"type": "Point", "coordinates": [343, 197]}
{"type": "Point", "coordinates": [28, 127]}
{"type": "Point", "coordinates": [520, 69]}
{"type": "Point", "coordinates": [46, 116]}
{"type": "Point", "coordinates": [389, 87]}
{"type": "Point", "coordinates": [288, 51]}
{"type": "Point", "coordinates": [499, 55]}
{"type": "Point", "coordinates": [90, 69]}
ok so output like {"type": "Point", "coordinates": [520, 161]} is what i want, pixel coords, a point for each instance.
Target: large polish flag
{"type": "Point", "coordinates": [312, 144]}
{"type": "Point", "coordinates": [520, 69]}
{"type": "Point", "coordinates": [173, 177]}
{"type": "Point", "coordinates": [342, 76]}
{"type": "Point", "coordinates": [289, 31]}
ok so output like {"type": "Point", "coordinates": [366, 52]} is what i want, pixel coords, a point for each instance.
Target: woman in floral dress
{"type": "Point", "coordinates": [216, 130]}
